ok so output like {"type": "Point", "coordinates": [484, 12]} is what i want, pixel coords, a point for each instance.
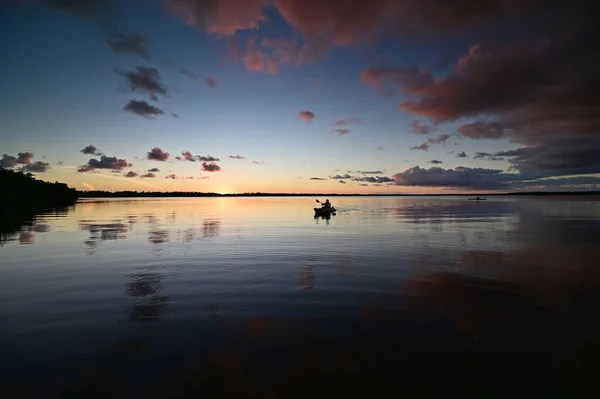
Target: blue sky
{"type": "Point", "coordinates": [62, 90]}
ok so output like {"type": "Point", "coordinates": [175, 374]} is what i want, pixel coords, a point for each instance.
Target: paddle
{"type": "Point", "coordinates": [318, 201]}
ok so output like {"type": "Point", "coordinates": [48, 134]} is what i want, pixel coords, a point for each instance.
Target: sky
{"type": "Point", "coordinates": [313, 96]}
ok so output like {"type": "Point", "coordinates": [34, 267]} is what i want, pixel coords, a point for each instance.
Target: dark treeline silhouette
{"type": "Point", "coordinates": [130, 194]}
{"type": "Point", "coordinates": [23, 196]}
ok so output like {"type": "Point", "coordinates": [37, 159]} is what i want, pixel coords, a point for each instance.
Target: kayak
{"type": "Point", "coordinates": [324, 211]}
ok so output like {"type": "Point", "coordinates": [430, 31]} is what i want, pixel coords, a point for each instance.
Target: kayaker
{"type": "Point", "coordinates": [327, 204]}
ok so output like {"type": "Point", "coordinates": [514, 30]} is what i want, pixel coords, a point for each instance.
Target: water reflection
{"type": "Point", "coordinates": [413, 295]}
{"type": "Point", "coordinates": [211, 228]}
{"type": "Point", "coordinates": [148, 302]}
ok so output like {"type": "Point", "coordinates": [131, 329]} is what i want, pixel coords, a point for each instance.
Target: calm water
{"type": "Point", "coordinates": [253, 297]}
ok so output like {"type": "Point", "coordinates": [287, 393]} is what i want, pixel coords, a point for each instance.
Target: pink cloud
{"type": "Point", "coordinates": [342, 132]}
{"type": "Point", "coordinates": [308, 116]}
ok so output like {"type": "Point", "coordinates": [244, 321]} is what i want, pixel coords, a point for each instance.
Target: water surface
{"type": "Point", "coordinates": [253, 297]}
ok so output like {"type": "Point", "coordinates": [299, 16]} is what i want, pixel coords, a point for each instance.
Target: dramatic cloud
{"type": "Point", "coordinates": [349, 121]}
{"type": "Point", "coordinates": [342, 132]}
{"type": "Point", "coordinates": [207, 158]}
{"type": "Point", "coordinates": [342, 182]}
{"type": "Point", "coordinates": [222, 18]}
{"type": "Point", "coordinates": [91, 150]}
{"type": "Point", "coordinates": [420, 147]}
{"type": "Point", "coordinates": [420, 128]}
{"type": "Point", "coordinates": [435, 161]}
{"type": "Point", "coordinates": [328, 22]}
{"type": "Point", "coordinates": [104, 163]}
{"type": "Point", "coordinates": [142, 108]}
{"type": "Point", "coordinates": [306, 115]}
{"type": "Point", "coordinates": [462, 154]}
{"type": "Point", "coordinates": [149, 175]}
{"type": "Point", "coordinates": [154, 170]}
{"type": "Point", "coordinates": [317, 178]}
{"type": "Point", "coordinates": [131, 173]}
{"type": "Point", "coordinates": [439, 139]}
{"type": "Point", "coordinates": [145, 80]}
{"type": "Point", "coordinates": [156, 154]}
{"type": "Point", "coordinates": [236, 157]}
{"type": "Point", "coordinates": [210, 167]}
{"type": "Point", "coordinates": [172, 177]}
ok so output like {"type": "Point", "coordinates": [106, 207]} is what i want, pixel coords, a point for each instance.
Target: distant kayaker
{"type": "Point", "coordinates": [327, 204]}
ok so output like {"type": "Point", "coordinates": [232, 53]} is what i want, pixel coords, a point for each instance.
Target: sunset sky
{"type": "Point", "coordinates": [370, 96]}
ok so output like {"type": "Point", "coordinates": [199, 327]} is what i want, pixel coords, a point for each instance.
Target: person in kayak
{"type": "Point", "coordinates": [327, 204]}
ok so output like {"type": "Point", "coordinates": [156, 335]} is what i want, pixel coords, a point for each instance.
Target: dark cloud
{"type": "Point", "coordinates": [39, 167]}
{"type": "Point", "coordinates": [342, 181]}
{"type": "Point", "coordinates": [134, 43]}
{"type": "Point", "coordinates": [317, 178]}
{"type": "Point", "coordinates": [80, 7]}
{"type": "Point", "coordinates": [306, 115]}
{"type": "Point", "coordinates": [8, 161]}
{"type": "Point", "coordinates": [373, 179]}
{"type": "Point", "coordinates": [131, 173]}
{"type": "Point", "coordinates": [439, 139]}
{"type": "Point", "coordinates": [342, 132]}
{"type": "Point", "coordinates": [154, 170]}
{"type": "Point", "coordinates": [487, 179]}
{"type": "Point", "coordinates": [461, 177]}
{"type": "Point", "coordinates": [172, 177]}
{"type": "Point", "coordinates": [488, 156]}
{"type": "Point", "coordinates": [156, 154]}
{"type": "Point", "coordinates": [148, 175]}
{"type": "Point", "coordinates": [213, 83]}
{"type": "Point", "coordinates": [558, 156]}
{"type": "Point", "coordinates": [91, 150]}
{"type": "Point", "coordinates": [146, 80]}
{"type": "Point", "coordinates": [380, 148]}
{"type": "Point", "coordinates": [420, 128]}
{"type": "Point", "coordinates": [207, 158]}
{"type": "Point", "coordinates": [349, 121]}
{"type": "Point", "coordinates": [538, 90]}
{"type": "Point", "coordinates": [236, 157]}
{"type": "Point", "coordinates": [24, 157]}
{"type": "Point", "coordinates": [104, 163]}
{"type": "Point", "coordinates": [337, 177]}
{"type": "Point", "coordinates": [436, 161]}
{"type": "Point", "coordinates": [420, 147]}
{"type": "Point", "coordinates": [326, 23]}
{"type": "Point", "coordinates": [142, 108]}
{"type": "Point", "coordinates": [482, 130]}
{"type": "Point", "coordinates": [210, 167]}
{"type": "Point", "coordinates": [370, 172]}
{"type": "Point", "coordinates": [188, 156]}
{"type": "Point", "coordinates": [462, 154]}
